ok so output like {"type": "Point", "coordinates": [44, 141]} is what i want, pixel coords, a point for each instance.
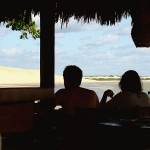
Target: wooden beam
{"type": "Point", "coordinates": [47, 49]}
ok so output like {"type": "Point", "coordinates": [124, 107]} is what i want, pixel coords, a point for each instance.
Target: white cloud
{"type": "Point", "coordinates": [13, 52]}
{"type": "Point", "coordinates": [4, 31]}
{"type": "Point", "coordinates": [101, 41]}
{"type": "Point", "coordinates": [59, 35]}
{"type": "Point", "coordinates": [75, 26]}
{"type": "Point", "coordinates": [144, 50]}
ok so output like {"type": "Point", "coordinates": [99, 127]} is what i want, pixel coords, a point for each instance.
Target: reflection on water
{"type": "Point", "coordinates": [100, 87]}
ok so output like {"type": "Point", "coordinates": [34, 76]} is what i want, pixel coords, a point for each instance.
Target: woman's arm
{"type": "Point", "coordinates": [107, 93]}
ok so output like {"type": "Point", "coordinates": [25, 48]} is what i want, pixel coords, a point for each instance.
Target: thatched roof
{"type": "Point", "coordinates": [106, 12]}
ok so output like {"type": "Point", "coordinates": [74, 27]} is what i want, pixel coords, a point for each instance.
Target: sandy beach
{"type": "Point", "coordinates": [11, 76]}
{"type": "Point", "coordinates": [17, 76]}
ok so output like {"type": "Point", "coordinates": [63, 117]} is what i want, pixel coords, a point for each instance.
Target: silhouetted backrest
{"type": "Point", "coordinates": [84, 115]}
{"type": "Point", "coordinates": [94, 115]}
{"type": "Point", "coordinates": [144, 113]}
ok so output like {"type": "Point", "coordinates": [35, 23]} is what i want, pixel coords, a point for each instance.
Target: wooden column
{"type": "Point", "coordinates": [47, 49]}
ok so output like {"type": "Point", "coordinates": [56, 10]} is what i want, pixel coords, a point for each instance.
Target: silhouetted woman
{"type": "Point", "coordinates": [131, 94]}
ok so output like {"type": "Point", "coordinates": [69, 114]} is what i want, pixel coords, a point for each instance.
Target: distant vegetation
{"type": "Point", "coordinates": [103, 79]}
{"type": "Point", "coordinates": [109, 78]}
{"type": "Point", "coordinates": [148, 78]}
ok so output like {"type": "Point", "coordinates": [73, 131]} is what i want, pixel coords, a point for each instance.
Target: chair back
{"type": "Point", "coordinates": [144, 113]}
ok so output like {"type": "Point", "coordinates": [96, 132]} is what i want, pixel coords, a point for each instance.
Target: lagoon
{"type": "Point", "coordinates": [100, 86]}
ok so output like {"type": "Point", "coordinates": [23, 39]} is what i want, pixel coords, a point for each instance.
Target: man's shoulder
{"type": "Point", "coordinates": [90, 94]}
{"type": "Point", "coordinates": [89, 91]}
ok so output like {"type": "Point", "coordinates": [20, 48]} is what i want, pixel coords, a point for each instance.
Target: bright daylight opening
{"type": "Point", "coordinates": [103, 53]}
{"type": "Point", "coordinates": [19, 59]}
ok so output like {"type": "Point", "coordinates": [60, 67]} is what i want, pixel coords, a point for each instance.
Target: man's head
{"type": "Point", "coordinates": [72, 76]}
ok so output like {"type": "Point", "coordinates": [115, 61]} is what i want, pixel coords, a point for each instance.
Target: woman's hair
{"type": "Point", "coordinates": [130, 82]}
{"type": "Point", "coordinates": [73, 74]}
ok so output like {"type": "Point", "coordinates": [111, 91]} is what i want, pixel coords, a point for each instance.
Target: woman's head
{"type": "Point", "coordinates": [130, 82]}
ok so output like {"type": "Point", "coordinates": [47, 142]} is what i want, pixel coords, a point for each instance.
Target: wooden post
{"type": "Point", "coordinates": [47, 49]}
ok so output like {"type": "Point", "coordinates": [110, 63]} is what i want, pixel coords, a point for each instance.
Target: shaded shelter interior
{"type": "Point", "coordinates": [107, 13]}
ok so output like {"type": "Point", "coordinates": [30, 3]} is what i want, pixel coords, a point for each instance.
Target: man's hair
{"type": "Point", "coordinates": [73, 74]}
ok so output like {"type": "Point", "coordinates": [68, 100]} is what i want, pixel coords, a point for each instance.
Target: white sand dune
{"type": "Point", "coordinates": [10, 75]}
{"type": "Point", "coordinates": [17, 76]}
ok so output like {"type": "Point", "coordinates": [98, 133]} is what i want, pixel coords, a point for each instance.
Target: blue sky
{"type": "Point", "coordinates": [96, 49]}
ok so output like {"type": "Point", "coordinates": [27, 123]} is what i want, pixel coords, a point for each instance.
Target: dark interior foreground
{"type": "Point", "coordinates": [31, 125]}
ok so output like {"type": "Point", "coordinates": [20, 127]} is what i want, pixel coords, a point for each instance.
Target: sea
{"type": "Point", "coordinates": [100, 86]}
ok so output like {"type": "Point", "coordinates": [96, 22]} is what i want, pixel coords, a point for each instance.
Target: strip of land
{"type": "Point", "coordinates": [12, 76]}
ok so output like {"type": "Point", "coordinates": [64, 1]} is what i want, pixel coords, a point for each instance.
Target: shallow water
{"type": "Point", "coordinates": [100, 87]}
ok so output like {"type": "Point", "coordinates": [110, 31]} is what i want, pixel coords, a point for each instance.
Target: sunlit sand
{"type": "Point", "coordinates": [16, 76]}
